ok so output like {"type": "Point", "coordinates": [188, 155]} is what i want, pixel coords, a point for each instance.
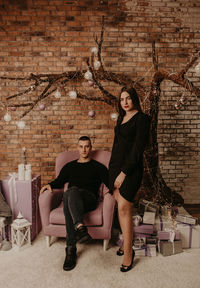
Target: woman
{"type": "Point", "coordinates": [126, 165]}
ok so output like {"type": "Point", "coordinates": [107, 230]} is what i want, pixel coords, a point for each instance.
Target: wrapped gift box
{"type": "Point", "coordinates": [149, 217]}
{"type": "Point", "coordinates": [165, 235]}
{"type": "Point", "coordinates": [143, 229]}
{"type": "Point", "coordinates": [151, 250]}
{"type": "Point", "coordinates": [139, 242]}
{"type": "Point", "coordinates": [140, 251]}
{"type": "Point", "coordinates": [163, 223]}
{"type": "Point", "coordinates": [167, 248]}
{"type": "Point", "coordinates": [152, 240]}
{"type": "Point", "coordinates": [190, 235]}
{"type": "Point", "coordinates": [145, 205]}
{"type": "Point", "coordinates": [148, 250]}
{"type": "Point", "coordinates": [187, 219]}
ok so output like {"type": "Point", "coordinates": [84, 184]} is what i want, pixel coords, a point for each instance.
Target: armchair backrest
{"type": "Point", "coordinates": [67, 156]}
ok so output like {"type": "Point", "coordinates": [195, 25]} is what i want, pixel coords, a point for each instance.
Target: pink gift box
{"type": "Point", "coordinates": [143, 229]}
{"type": "Point", "coordinates": [165, 235]}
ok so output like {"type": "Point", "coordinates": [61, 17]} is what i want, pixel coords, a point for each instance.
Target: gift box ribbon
{"type": "Point", "coordinates": [12, 190]}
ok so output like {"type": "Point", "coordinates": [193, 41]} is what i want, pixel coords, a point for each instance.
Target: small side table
{"type": "Point", "coordinates": [27, 201]}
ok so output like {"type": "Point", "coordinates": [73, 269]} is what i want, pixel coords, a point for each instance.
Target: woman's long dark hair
{"type": "Point", "coordinates": [135, 99]}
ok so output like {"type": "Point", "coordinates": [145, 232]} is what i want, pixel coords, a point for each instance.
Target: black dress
{"type": "Point", "coordinates": [130, 140]}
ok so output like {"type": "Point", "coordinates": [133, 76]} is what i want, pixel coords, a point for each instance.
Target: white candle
{"type": "Point", "coordinates": [21, 170]}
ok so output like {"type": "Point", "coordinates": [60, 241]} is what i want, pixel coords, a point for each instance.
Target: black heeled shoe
{"type": "Point", "coordinates": [120, 252]}
{"type": "Point", "coordinates": [125, 268]}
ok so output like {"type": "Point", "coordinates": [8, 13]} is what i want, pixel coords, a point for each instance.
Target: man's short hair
{"type": "Point", "coordinates": [85, 138]}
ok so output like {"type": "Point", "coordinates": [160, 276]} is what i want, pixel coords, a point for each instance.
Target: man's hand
{"type": "Point", "coordinates": [119, 180]}
{"type": "Point", "coordinates": [46, 187]}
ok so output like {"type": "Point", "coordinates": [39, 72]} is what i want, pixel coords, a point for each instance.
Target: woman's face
{"type": "Point", "coordinates": [126, 102]}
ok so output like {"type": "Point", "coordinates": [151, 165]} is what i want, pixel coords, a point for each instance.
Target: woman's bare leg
{"type": "Point", "coordinates": [126, 223]}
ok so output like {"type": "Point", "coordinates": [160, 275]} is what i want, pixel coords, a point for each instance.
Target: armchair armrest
{"type": "Point", "coordinates": [47, 202]}
{"type": "Point", "coordinates": [108, 210]}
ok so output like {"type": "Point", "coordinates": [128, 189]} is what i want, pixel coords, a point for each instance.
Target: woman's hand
{"type": "Point", "coordinates": [46, 187]}
{"type": "Point", "coordinates": [119, 180]}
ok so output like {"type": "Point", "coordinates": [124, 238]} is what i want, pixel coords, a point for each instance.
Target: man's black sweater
{"type": "Point", "coordinates": [85, 175]}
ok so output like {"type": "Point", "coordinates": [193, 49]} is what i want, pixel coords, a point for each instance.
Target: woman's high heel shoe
{"type": "Point", "coordinates": [120, 252]}
{"type": "Point", "coordinates": [125, 268]}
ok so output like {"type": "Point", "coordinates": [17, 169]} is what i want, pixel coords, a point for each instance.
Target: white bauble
{"type": "Point", "coordinates": [91, 113]}
{"type": "Point", "coordinates": [88, 75]}
{"type": "Point", "coordinates": [114, 116]}
{"type": "Point", "coordinates": [57, 94]}
{"type": "Point", "coordinates": [72, 94]}
{"type": "Point", "coordinates": [94, 50]}
{"type": "Point", "coordinates": [7, 117]}
{"type": "Point", "coordinates": [97, 65]}
{"type": "Point", "coordinates": [21, 124]}
{"type": "Point", "coordinates": [197, 68]}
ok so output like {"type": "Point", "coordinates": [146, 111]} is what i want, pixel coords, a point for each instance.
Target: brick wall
{"type": "Point", "coordinates": [56, 36]}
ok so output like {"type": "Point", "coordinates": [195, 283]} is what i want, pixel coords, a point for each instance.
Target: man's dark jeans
{"type": "Point", "coordinates": [76, 202]}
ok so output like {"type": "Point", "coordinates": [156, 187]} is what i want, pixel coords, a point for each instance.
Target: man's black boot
{"type": "Point", "coordinates": [70, 259]}
{"type": "Point", "coordinates": [82, 234]}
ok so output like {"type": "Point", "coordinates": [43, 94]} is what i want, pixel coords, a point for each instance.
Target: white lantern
{"type": "Point", "coordinates": [72, 94]}
{"type": "Point", "coordinates": [94, 50]}
{"type": "Point", "coordinates": [97, 65]}
{"type": "Point", "coordinates": [7, 117]}
{"type": "Point", "coordinates": [20, 233]}
{"type": "Point", "coordinates": [88, 75]}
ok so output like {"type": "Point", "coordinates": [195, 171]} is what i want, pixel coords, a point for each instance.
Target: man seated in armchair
{"type": "Point", "coordinates": [84, 177]}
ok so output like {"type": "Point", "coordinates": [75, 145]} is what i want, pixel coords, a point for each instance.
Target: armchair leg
{"type": "Point", "coordinates": [105, 244]}
{"type": "Point", "coordinates": [48, 240]}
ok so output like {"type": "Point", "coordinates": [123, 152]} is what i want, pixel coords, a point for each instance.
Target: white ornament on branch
{"type": "Point", "coordinates": [21, 124]}
{"type": "Point", "coordinates": [94, 50]}
{"type": "Point", "coordinates": [72, 94]}
{"type": "Point", "coordinates": [42, 107]}
{"type": "Point", "coordinates": [88, 75]}
{"type": "Point", "coordinates": [114, 116]}
{"type": "Point", "coordinates": [7, 117]}
{"type": "Point", "coordinates": [91, 113]}
{"type": "Point", "coordinates": [197, 68]}
{"type": "Point", "coordinates": [97, 65]}
{"type": "Point", "coordinates": [57, 94]}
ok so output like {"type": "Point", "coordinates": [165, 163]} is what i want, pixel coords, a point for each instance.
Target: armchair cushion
{"type": "Point", "coordinates": [92, 218]}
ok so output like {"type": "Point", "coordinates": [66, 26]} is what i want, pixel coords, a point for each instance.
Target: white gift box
{"type": "Point", "coordinates": [149, 217]}
{"type": "Point", "coordinates": [190, 235]}
{"type": "Point", "coordinates": [188, 219]}
{"type": "Point", "coordinates": [151, 250]}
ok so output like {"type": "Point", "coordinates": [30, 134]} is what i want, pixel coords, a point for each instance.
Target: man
{"type": "Point", "coordinates": [84, 176]}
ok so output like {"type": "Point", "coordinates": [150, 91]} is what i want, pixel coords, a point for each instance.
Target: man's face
{"type": "Point", "coordinates": [84, 148]}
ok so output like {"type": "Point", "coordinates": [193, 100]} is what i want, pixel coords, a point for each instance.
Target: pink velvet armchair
{"type": "Point", "coordinates": [99, 221]}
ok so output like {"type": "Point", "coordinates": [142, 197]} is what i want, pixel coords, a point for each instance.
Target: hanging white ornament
{"type": "Point", "coordinates": [90, 83]}
{"type": "Point", "coordinates": [97, 65]}
{"type": "Point", "coordinates": [32, 87]}
{"type": "Point", "coordinates": [57, 94]}
{"type": "Point", "coordinates": [197, 68]}
{"type": "Point", "coordinates": [7, 117]}
{"type": "Point", "coordinates": [91, 113]}
{"type": "Point", "coordinates": [94, 50]}
{"type": "Point", "coordinates": [21, 124]}
{"type": "Point", "coordinates": [114, 116]}
{"type": "Point", "coordinates": [88, 75]}
{"type": "Point", "coordinates": [42, 107]}
{"type": "Point", "coordinates": [72, 94]}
